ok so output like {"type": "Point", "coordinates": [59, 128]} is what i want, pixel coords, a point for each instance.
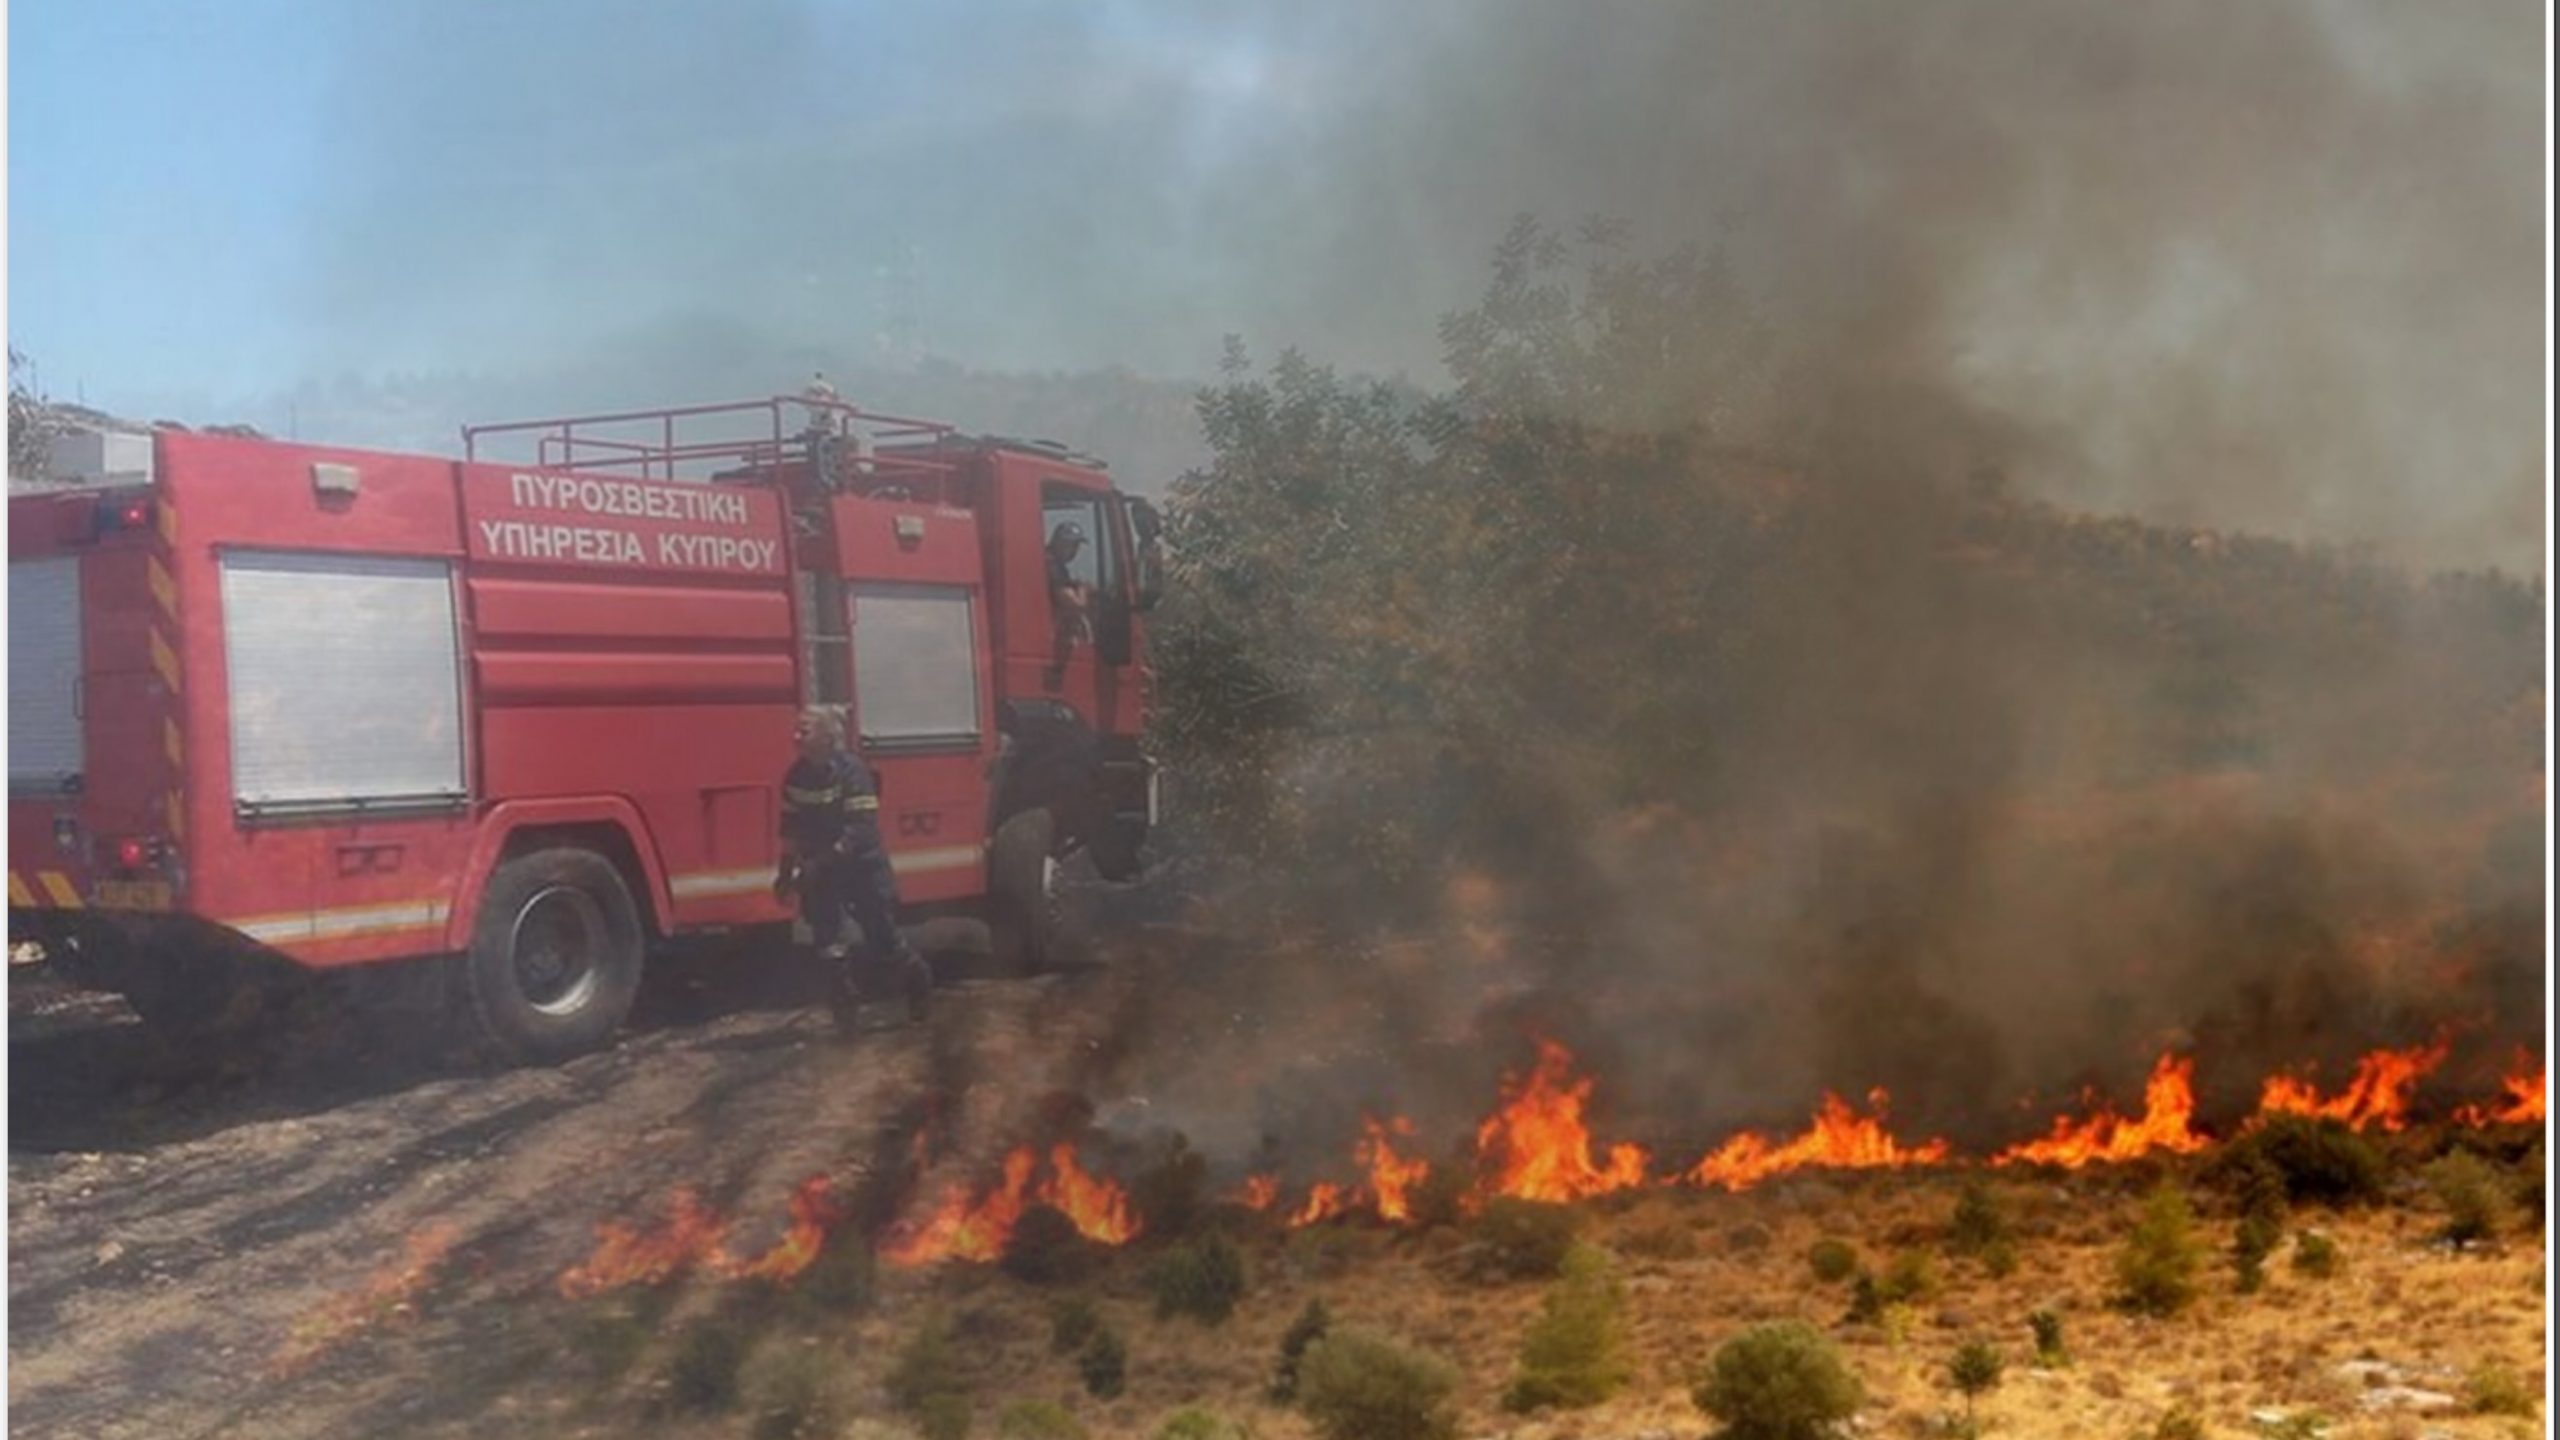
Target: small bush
{"type": "Point", "coordinates": [786, 1390]}
{"type": "Point", "coordinates": [1524, 1239]}
{"type": "Point", "coordinates": [1747, 1238]}
{"type": "Point", "coordinates": [2051, 1353]}
{"type": "Point", "coordinates": [2321, 1161]}
{"type": "Point", "coordinates": [927, 1369]}
{"type": "Point", "coordinates": [1197, 1424]}
{"type": "Point", "coordinates": [1355, 1386]}
{"type": "Point", "coordinates": [841, 1280]}
{"type": "Point", "coordinates": [2000, 1259]}
{"type": "Point", "coordinates": [1307, 1329]}
{"type": "Point", "coordinates": [2493, 1389]}
{"type": "Point", "coordinates": [1046, 1248]}
{"type": "Point", "coordinates": [1975, 1370]}
{"type": "Point", "coordinates": [1777, 1382]}
{"type": "Point", "coordinates": [2156, 1271]}
{"type": "Point", "coordinates": [1911, 1277]}
{"type": "Point", "coordinates": [2475, 1205]}
{"type": "Point", "coordinates": [2262, 1217]}
{"type": "Point", "coordinates": [1978, 1223]}
{"type": "Point", "coordinates": [1072, 1321]}
{"type": "Point", "coordinates": [1038, 1420]}
{"type": "Point", "coordinates": [2179, 1425]}
{"type": "Point", "coordinates": [703, 1372]}
{"type": "Point", "coordinates": [2529, 1184]}
{"type": "Point", "coordinates": [2315, 1255]}
{"type": "Point", "coordinates": [1441, 1199]}
{"type": "Point", "coordinates": [1574, 1355]}
{"type": "Point", "coordinates": [1833, 1260]}
{"type": "Point", "coordinates": [944, 1417]}
{"type": "Point", "coordinates": [1866, 1302]}
{"type": "Point", "coordinates": [1203, 1279]}
{"type": "Point", "coordinates": [1103, 1364]}
{"type": "Point", "coordinates": [1170, 1192]}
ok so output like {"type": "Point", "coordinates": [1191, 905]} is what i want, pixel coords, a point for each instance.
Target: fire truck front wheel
{"type": "Point", "coordinates": [555, 955]}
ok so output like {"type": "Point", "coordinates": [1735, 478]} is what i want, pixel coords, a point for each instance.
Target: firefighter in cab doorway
{"type": "Point", "coordinates": [833, 860]}
{"type": "Point", "coordinates": [1070, 599]}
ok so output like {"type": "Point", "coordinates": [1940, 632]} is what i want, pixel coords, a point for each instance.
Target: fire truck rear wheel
{"type": "Point", "coordinates": [555, 955]}
{"type": "Point", "coordinates": [1021, 893]}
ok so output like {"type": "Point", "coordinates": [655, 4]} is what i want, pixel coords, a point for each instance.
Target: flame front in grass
{"type": "Point", "coordinates": [1260, 1192]}
{"type": "Point", "coordinates": [1841, 1139]}
{"type": "Point", "coordinates": [966, 1228]}
{"type": "Point", "coordinates": [2524, 1103]}
{"type": "Point", "coordinates": [814, 1212]}
{"type": "Point", "coordinates": [1392, 1177]}
{"type": "Point", "coordinates": [692, 1238]}
{"type": "Point", "coordinates": [388, 1293]}
{"type": "Point", "coordinates": [1099, 1209]}
{"type": "Point", "coordinates": [1537, 1147]}
{"type": "Point", "coordinates": [2377, 1095]}
{"type": "Point", "coordinates": [1324, 1202]}
{"type": "Point", "coordinates": [2167, 1123]}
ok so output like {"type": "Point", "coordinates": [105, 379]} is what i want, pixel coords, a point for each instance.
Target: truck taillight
{"type": "Point", "coordinates": [138, 853]}
{"type": "Point", "coordinates": [123, 514]}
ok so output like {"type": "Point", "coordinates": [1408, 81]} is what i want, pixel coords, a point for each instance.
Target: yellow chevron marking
{"type": "Point", "coordinates": [176, 747]}
{"type": "Point", "coordinates": [164, 589]}
{"type": "Point", "coordinates": [168, 517]}
{"type": "Point", "coordinates": [58, 887]}
{"type": "Point", "coordinates": [19, 895]}
{"type": "Point", "coordinates": [164, 660]}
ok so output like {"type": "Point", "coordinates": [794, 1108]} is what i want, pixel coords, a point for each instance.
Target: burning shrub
{"type": "Point", "coordinates": [1169, 1193]}
{"type": "Point", "coordinates": [1103, 1364]}
{"type": "Point", "coordinates": [1833, 1260]}
{"type": "Point", "coordinates": [2051, 1353]}
{"type": "Point", "coordinates": [703, 1372]}
{"type": "Point", "coordinates": [2493, 1389]}
{"type": "Point", "coordinates": [1045, 1248]}
{"type": "Point", "coordinates": [2321, 1160]}
{"type": "Point", "coordinates": [2315, 1255]}
{"type": "Point", "coordinates": [787, 1392]}
{"type": "Point", "coordinates": [1072, 1322]}
{"type": "Point", "coordinates": [1038, 1420]}
{"type": "Point", "coordinates": [1307, 1329]}
{"type": "Point", "coordinates": [927, 1380]}
{"type": "Point", "coordinates": [1357, 1386]}
{"type": "Point", "coordinates": [1975, 1371]}
{"type": "Point", "coordinates": [2156, 1271]}
{"type": "Point", "coordinates": [1777, 1382]}
{"type": "Point", "coordinates": [2473, 1197]}
{"type": "Point", "coordinates": [1524, 1239]}
{"type": "Point", "coordinates": [1198, 1424]}
{"type": "Point", "coordinates": [1978, 1223]}
{"type": "Point", "coordinates": [1574, 1355]}
{"type": "Point", "coordinates": [1203, 1279]}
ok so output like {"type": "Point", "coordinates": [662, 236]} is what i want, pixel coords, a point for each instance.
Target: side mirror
{"type": "Point", "coordinates": [1149, 526]}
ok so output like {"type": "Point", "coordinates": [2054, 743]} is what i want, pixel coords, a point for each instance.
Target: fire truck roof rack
{"type": "Point", "coordinates": [740, 440]}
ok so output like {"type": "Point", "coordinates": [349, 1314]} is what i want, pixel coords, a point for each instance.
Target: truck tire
{"type": "Point", "coordinates": [1021, 917]}
{"type": "Point", "coordinates": [555, 956]}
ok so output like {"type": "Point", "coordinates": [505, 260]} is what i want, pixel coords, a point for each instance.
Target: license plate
{"type": "Point", "coordinates": [133, 894]}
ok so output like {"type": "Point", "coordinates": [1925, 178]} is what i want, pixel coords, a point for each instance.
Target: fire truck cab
{"type": "Point", "coordinates": [516, 717]}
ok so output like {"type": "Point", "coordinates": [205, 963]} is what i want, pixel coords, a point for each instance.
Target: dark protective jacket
{"type": "Point", "coordinates": [831, 805]}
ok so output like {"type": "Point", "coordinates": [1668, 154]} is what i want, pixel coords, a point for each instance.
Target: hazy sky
{"type": "Point", "coordinates": [2278, 264]}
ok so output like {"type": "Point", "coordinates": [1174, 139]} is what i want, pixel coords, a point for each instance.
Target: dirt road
{"type": "Point", "coordinates": [198, 1242]}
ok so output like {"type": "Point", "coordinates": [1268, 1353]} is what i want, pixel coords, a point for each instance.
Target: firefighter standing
{"type": "Point", "coordinates": [832, 858]}
{"type": "Point", "coordinates": [1070, 600]}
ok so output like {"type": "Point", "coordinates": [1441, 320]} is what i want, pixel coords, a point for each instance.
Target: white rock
{"type": "Point", "coordinates": [2407, 1397]}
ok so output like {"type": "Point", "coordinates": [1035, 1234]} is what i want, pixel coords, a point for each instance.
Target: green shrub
{"type": "Point", "coordinates": [1524, 1239]}
{"type": "Point", "coordinates": [1974, 1370]}
{"type": "Point", "coordinates": [1574, 1355]}
{"type": "Point", "coordinates": [1978, 1223]}
{"type": "Point", "coordinates": [703, 1372]}
{"type": "Point", "coordinates": [928, 1368]}
{"type": "Point", "coordinates": [1103, 1364]}
{"type": "Point", "coordinates": [1833, 1260]}
{"type": "Point", "coordinates": [786, 1390]}
{"type": "Point", "coordinates": [1356, 1386]}
{"type": "Point", "coordinates": [1912, 1277]}
{"type": "Point", "coordinates": [1307, 1329]}
{"type": "Point", "coordinates": [1072, 1321]}
{"type": "Point", "coordinates": [2322, 1161]}
{"type": "Point", "coordinates": [2051, 1353]}
{"type": "Point", "coordinates": [944, 1417]}
{"type": "Point", "coordinates": [1203, 1279]}
{"type": "Point", "coordinates": [1170, 1192]}
{"type": "Point", "coordinates": [2493, 1389]}
{"type": "Point", "coordinates": [2315, 1255]}
{"type": "Point", "coordinates": [1046, 1248]}
{"type": "Point", "coordinates": [2000, 1258]}
{"type": "Point", "coordinates": [2475, 1204]}
{"type": "Point", "coordinates": [2179, 1425]}
{"type": "Point", "coordinates": [2156, 1271]}
{"type": "Point", "coordinates": [1038, 1420]}
{"type": "Point", "coordinates": [1198, 1424]}
{"type": "Point", "coordinates": [1866, 1301]}
{"type": "Point", "coordinates": [1777, 1382]}
{"type": "Point", "coordinates": [2262, 1216]}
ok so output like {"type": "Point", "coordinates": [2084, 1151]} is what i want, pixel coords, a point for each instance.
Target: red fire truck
{"type": "Point", "coordinates": [513, 719]}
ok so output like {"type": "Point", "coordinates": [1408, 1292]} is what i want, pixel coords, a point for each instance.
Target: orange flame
{"type": "Point", "coordinates": [2524, 1105]}
{"type": "Point", "coordinates": [1099, 1208]}
{"type": "Point", "coordinates": [2378, 1095]}
{"type": "Point", "coordinates": [2167, 1123]}
{"type": "Point", "coordinates": [1841, 1139]}
{"type": "Point", "coordinates": [1323, 1203]}
{"type": "Point", "coordinates": [692, 1237]}
{"type": "Point", "coordinates": [1391, 1177]}
{"type": "Point", "coordinates": [963, 1228]}
{"type": "Point", "coordinates": [1536, 1146]}
{"type": "Point", "coordinates": [1260, 1192]}
{"type": "Point", "coordinates": [388, 1293]}
{"type": "Point", "coordinates": [814, 1212]}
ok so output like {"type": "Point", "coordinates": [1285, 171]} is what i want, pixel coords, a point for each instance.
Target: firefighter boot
{"type": "Point", "coordinates": [916, 978]}
{"type": "Point", "coordinates": [844, 999]}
